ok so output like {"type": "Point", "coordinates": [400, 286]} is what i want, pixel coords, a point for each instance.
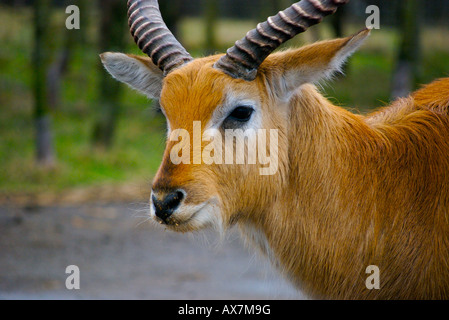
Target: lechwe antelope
{"type": "Point", "coordinates": [350, 190]}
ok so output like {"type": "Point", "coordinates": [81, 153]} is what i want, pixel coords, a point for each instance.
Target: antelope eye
{"type": "Point", "coordinates": [241, 114]}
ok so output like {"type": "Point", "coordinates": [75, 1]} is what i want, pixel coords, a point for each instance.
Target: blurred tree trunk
{"type": "Point", "coordinates": [55, 73]}
{"type": "Point", "coordinates": [85, 7]}
{"type": "Point", "coordinates": [112, 30]}
{"type": "Point", "coordinates": [44, 138]}
{"type": "Point", "coordinates": [337, 21]}
{"type": "Point", "coordinates": [270, 8]}
{"type": "Point", "coordinates": [171, 13]}
{"type": "Point", "coordinates": [406, 72]}
{"type": "Point", "coordinates": [210, 17]}
{"type": "Point", "coordinates": [73, 39]}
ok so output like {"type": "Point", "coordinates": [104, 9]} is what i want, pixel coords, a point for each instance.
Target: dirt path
{"type": "Point", "coordinates": [122, 257]}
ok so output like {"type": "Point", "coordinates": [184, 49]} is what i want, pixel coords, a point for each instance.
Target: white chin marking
{"type": "Point", "coordinates": [201, 216]}
{"type": "Point", "coordinates": [194, 217]}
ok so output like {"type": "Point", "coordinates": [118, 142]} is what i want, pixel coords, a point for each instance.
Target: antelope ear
{"type": "Point", "coordinates": [139, 73]}
{"type": "Point", "coordinates": [288, 70]}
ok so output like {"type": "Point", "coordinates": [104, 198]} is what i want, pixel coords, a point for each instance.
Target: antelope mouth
{"type": "Point", "coordinates": [190, 217]}
{"type": "Point", "coordinates": [175, 221]}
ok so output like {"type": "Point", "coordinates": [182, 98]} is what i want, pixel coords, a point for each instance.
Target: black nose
{"type": "Point", "coordinates": [167, 205]}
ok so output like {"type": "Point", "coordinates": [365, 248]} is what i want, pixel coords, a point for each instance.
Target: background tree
{"type": "Point", "coordinates": [171, 11]}
{"type": "Point", "coordinates": [271, 7]}
{"type": "Point", "coordinates": [407, 69]}
{"type": "Point", "coordinates": [210, 19]}
{"type": "Point", "coordinates": [113, 28]}
{"type": "Point", "coordinates": [44, 139]}
{"type": "Point", "coordinates": [337, 22]}
{"type": "Point", "coordinates": [72, 39]}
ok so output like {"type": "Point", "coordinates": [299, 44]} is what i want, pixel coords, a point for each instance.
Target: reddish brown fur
{"type": "Point", "coordinates": [370, 191]}
{"type": "Point", "coordinates": [351, 190]}
{"type": "Point", "coordinates": [359, 190]}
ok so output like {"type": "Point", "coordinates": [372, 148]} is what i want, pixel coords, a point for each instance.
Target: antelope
{"type": "Point", "coordinates": [350, 191]}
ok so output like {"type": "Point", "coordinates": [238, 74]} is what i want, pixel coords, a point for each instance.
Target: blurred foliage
{"type": "Point", "coordinates": [140, 135]}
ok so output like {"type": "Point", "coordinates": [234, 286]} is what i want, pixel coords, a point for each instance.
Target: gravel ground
{"type": "Point", "coordinates": [121, 256]}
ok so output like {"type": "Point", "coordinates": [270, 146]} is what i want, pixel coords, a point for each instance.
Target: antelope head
{"type": "Point", "coordinates": [245, 90]}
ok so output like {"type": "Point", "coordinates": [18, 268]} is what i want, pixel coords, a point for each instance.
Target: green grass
{"type": "Point", "coordinates": [139, 141]}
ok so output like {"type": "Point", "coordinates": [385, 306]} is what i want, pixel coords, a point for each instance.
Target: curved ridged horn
{"type": "Point", "coordinates": [153, 37]}
{"type": "Point", "coordinates": [244, 58]}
